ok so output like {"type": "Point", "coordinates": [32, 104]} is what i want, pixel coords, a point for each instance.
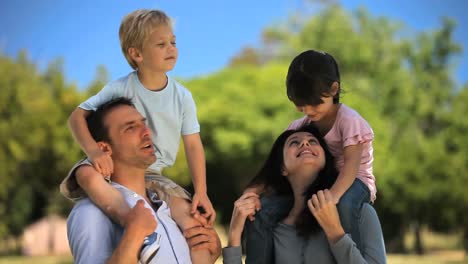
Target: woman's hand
{"type": "Point", "coordinates": [246, 206]}
{"type": "Point", "coordinates": [323, 207]}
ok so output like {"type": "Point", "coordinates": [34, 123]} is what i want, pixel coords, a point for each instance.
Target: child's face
{"type": "Point", "coordinates": [159, 52]}
{"type": "Point", "coordinates": [318, 112]}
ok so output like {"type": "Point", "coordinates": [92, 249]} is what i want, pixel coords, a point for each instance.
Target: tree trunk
{"type": "Point", "coordinates": [418, 243]}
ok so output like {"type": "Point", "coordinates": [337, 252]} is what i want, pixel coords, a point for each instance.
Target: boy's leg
{"type": "Point", "coordinates": [178, 200]}
{"type": "Point", "coordinates": [349, 208]}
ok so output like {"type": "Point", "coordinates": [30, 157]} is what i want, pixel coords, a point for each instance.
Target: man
{"type": "Point", "coordinates": [121, 132]}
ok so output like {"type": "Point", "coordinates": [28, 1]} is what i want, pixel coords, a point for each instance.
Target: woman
{"type": "Point", "coordinates": [297, 175]}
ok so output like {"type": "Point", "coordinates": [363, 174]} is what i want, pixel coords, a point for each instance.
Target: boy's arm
{"type": "Point", "coordinates": [106, 197]}
{"type": "Point", "coordinates": [196, 161]}
{"type": "Point", "coordinates": [352, 161]}
{"type": "Point", "coordinates": [79, 128]}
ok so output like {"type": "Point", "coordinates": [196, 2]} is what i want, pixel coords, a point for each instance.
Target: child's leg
{"type": "Point", "coordinates": [349, 209]}
{"type": "Point", "coordinates": [178, 200]}
{"type": "Point", "coordinates": [106, 197]}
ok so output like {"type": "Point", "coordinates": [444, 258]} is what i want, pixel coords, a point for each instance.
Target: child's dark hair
{"type": "Point", "coordinates": [270, 175]}
{"type": "Point", "coordinates": [95, 119]}
{"type": "Point", "coordinates": [310, 77]}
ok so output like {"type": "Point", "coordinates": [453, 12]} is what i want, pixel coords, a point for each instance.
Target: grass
{"type": "Point", "coordinates": [442, 257]}
{"type": "Point", "coordinates": [441, 249]}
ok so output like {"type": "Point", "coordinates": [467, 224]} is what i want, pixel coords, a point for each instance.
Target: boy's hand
{"type": "Point", "coordinates": [202, 200]}
{"type": "Point", "coordinates": [102, 162]}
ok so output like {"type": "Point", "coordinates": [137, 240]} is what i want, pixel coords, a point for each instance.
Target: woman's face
{"type": "Point", "coordinates": [303, 155]}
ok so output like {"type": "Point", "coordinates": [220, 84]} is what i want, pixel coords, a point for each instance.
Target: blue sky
{"type": "Point", "coordinates": [209, 32]}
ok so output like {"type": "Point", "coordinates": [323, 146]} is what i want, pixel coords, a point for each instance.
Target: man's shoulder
{"type": "Point", "coordinates": [86, 213]}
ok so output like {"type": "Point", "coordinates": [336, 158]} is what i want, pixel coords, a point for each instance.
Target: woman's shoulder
{"type": "Point", "coordinates": [275, 207]}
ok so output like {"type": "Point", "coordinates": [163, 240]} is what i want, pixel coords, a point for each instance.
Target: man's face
{"type": "Point", "coordinates": [131, 142]}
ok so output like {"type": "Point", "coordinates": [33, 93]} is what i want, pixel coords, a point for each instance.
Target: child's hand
{"type": "Point", "coordinates": [257, 189]}
{"type": "Point", "coordinates": [202, 200]}
{"type": "Point", "coordinates": [102, 162]}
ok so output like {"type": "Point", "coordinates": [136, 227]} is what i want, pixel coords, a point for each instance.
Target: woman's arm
{"type": "Point", "coordinates": [246, 206]}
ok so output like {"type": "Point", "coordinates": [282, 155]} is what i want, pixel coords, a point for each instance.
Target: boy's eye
{"type": "Point", "coordinates": [173, 43]}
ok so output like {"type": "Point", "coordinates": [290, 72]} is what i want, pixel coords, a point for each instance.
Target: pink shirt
{"type": "Point", "coordinates": [349, 129]}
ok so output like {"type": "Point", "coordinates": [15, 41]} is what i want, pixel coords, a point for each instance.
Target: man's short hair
{"type": "Point", "coordinates": [95, 120]}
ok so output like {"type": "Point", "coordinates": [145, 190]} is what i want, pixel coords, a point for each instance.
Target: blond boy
{"type": "Point", "coordinates": [149, 45]}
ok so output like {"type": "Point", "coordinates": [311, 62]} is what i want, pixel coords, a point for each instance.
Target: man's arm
{"type": "Point", "coordinates": [93, 238]}
{"type": "Point", "coordinates": [140, 223]}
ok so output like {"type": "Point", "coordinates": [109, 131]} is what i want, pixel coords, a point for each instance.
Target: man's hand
{"type": "Point", "coordinates": [202, 237]}
{"type": "Point", "coordinates": [140, 220]}
{"type": "Point", "coordinates": [202, 200]}
{"type": "Point", "coordinates": [102, 162]}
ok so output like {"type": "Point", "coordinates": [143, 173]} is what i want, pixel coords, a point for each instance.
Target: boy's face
{"type": "Point", "coordinates": [159, 52]}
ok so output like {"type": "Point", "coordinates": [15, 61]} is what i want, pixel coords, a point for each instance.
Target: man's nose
{"type": "Point", "coordinates": [146, 131]}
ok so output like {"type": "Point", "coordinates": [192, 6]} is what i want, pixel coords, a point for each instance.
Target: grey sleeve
{"type": "Point", "coordinates": [232, 255]}
{"type": "Point", "coordinates": [345, 250]}
{"type": "Point", "coordinates": [91, 235]}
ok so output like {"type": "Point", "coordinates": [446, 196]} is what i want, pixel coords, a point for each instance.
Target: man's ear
{"type": "Point", "coordinates": [334, 88]}
{"type": "Point", "coordinates": [105, 147]}
{"type": "Point", "coordinates": [135, 54]}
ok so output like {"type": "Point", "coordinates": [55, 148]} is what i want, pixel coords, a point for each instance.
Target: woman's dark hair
{"type": "Point", "coordinates": [310, 77]}
{"type": "Point", "coordinates": [270, 175]}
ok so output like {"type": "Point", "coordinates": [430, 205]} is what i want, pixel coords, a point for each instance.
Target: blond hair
{"type": "Point", "coordinates": [136, 27]}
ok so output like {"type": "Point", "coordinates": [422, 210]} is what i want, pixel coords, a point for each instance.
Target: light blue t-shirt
{"type": "Point", "coordinates": [171, 112]}
{"type": "Point", "coordinates": [93, 237]}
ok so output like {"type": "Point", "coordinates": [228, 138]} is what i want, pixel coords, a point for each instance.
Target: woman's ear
{"type": "Point", "coordinates": [334, 88]}
{"type": "Point", "coordinates": [105, 147]}
{"type": "Point", "coordinates": [284, 172]}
